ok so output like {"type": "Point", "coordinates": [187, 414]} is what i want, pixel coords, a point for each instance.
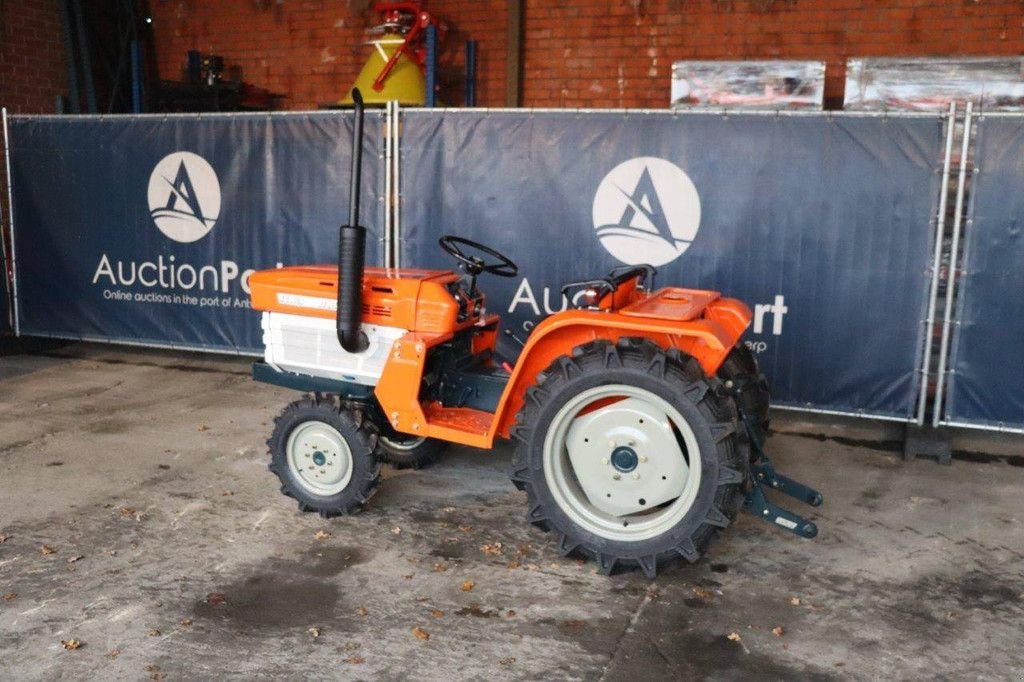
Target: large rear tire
{"type": "Point", "coordinates": [323, 456]}
{"type": "Point", "coordinates": [630, 455]}
{"type": "Point", "coordinates": [743, 378]}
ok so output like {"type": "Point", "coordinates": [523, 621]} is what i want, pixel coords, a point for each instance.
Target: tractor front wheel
{"type": "Point", "coordinates": [323, 456]}
{"type": "Point", "coordinates": [403, 451]}
{"type": "Point", "coordinates": [630, 455]}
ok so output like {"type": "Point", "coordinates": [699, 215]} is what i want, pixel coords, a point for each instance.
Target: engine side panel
{"type": "Point", "coordinates": [309, 345]}
{"type": "Point", "coordinates": [418, 300]}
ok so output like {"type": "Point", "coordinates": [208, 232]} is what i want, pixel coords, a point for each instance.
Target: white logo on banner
{"type": "Point", "coordinates": [646, 210]}
{"type": "Point", "coordinates": [184, 196]}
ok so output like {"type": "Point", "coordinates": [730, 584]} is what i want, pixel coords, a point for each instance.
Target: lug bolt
{"type": "Point", "coordinates": [643, 459]}
{"type": "Point", "coordinates": [604, 460]}
{"type": "Point", "coordinates": [636, 476]}
{"type": "Point", "coordinates": [616, 476]}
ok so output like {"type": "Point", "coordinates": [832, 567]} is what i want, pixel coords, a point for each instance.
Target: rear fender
{"type": "Point", "coordinates": [708, 339]}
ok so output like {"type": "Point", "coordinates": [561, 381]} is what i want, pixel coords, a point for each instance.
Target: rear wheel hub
{"type": "Point", "coordinates": [624, 458]}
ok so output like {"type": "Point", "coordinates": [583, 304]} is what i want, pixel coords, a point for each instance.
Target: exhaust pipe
{"type": "Point", "coordinates": [352, 249]}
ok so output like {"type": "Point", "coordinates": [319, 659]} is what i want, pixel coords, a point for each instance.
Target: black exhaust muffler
{"type": "Point", "coordinates": [352, 249]}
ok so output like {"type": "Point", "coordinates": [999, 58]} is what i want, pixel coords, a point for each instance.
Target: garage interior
{"type": "Point", "coordinates": [844, 172]}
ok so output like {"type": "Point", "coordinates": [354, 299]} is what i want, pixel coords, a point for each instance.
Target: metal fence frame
{"type": "Point", "coordinates": [933, 295]}
{"type": "Point", "coordinates": [928, 324]}
{"type": "Point", "coordinates": [954, 272]}
{"type": "Point", "coordinates": [951, 322]}
{"type": "Point", "coordinates": [13, 287]}
{"type": "Point", "coordinates": [393, 235]}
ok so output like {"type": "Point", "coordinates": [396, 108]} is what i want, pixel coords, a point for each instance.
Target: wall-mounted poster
{"type": "Point", "coordinates": [930, 84]}
{"type": "Point", "coordinates": [775, 84]}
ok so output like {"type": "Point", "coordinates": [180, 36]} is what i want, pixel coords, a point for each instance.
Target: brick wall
{"type": "Point", "coordinates": [32, 67]}
{"type": "Point", "coordinates": [578, 53]}
{"type": "Point", "coordinates": [604, 53]}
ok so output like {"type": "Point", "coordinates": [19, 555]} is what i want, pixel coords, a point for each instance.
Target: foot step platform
{"type": "Point", "coordinates": [459, 424]}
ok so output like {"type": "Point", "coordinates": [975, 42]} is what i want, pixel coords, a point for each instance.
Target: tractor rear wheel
{"type": "Point", "coordinates": [743, 378]}
{"type": "Point", "coordinates": [324, 457]}
{"type": "Point", "coordinates": [403, 451]}
{"type": "Point", "coordinates": [630, 455]}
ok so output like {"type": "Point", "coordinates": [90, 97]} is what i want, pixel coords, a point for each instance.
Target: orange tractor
{"type": "Point", "coordinates": [637, 415]}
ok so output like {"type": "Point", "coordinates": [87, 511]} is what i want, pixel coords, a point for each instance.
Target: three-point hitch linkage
{"type": "Point", "coordinates": [763, 474]}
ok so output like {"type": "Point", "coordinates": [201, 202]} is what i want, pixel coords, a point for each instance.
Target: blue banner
{"type": "Point", "coordinates": [823, 224]}
{"type": "Point", "coordinates": [144, 229]}
{"type": "Point", "coordinates": [985, 371]}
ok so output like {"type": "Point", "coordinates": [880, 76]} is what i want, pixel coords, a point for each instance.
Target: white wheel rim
{"type": "Point", "coordinates": [403, 446]}
{"type": "Point", "coordinates": [663, 469]}
{"type": "Point", "coordinates": [319, 458]}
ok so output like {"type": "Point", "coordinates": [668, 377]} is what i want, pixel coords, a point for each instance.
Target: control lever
{"type": "Point", "coordinates": [509, 334]}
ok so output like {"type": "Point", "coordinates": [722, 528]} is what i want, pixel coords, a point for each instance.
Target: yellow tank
{"type": "Point", "coordinates": [405, 83]}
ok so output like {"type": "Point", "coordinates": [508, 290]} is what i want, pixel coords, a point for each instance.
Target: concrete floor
{"type": "Point", "coordinates": [174, 555]}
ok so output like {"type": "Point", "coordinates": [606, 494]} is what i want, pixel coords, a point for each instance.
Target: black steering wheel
{"type": "Point", "coordinates": [474, 265]}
